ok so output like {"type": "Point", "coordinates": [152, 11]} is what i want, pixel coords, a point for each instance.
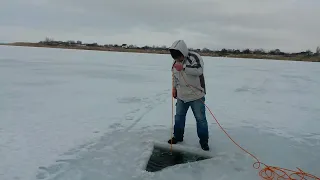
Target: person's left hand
{"type": "Point", "coordinates": [174, 93]}
{"type": "Point", "coordinates": [178, 66]}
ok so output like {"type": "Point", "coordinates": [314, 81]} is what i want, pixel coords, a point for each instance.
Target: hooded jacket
{"type": "Point", "coordinates": [189, 82]}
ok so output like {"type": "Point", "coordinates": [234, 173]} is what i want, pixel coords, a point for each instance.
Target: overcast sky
{"type": "Point", "coordinates": [290, 25]}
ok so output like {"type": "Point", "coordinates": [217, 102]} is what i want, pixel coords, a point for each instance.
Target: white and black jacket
{"type": "Point", "coordinates": [191, 76]}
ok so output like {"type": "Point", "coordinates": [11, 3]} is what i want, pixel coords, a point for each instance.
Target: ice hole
{"type": "Point", "coordinates": [162, 157]}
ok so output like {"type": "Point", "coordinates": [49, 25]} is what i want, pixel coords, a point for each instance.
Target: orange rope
{"type": "Point", "coordinates": [268, 172]}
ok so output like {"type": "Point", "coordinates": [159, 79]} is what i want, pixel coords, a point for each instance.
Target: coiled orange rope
{"type": "Point", "coordinates": [268, 172]}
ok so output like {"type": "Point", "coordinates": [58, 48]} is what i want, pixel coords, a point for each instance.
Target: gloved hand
{"type": "Point", "coordinates": [174, 93]}
{"type": "Point", "coordinates": [178, 66]}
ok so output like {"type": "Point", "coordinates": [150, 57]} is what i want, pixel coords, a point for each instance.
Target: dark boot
{"type": "Point", "coordinates": [174, 140]}
{"type": "Point", "coordinates": [204, 145]}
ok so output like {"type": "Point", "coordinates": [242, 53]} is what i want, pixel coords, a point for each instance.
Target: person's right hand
{"type": "Point", "coordinates": [178, 66]}
{"type": "Point", "coordinates": [174, 93]}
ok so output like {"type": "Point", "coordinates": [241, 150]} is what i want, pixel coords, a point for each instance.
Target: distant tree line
{"type": "Point", "coordinates": [222, 52]}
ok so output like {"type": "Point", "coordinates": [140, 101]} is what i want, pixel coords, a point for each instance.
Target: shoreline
{"type": "Point", "coordinates": [157, 51]}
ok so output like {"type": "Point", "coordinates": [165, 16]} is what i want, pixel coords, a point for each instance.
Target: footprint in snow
{"type": "Point", "coordinates": [115, 125]}
{"type": "Point", "coordinates": [129, 118]}
{"type": "Point", "coordinates": [129, 100]}
{"type": "Point", "coordinates": [239, 169]}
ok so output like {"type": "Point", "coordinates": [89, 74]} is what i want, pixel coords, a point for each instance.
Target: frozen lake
{"type": "Point", "coordinates": [76, 115]}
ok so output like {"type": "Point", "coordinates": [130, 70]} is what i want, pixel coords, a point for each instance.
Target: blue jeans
{"type": "Point", "coordinates": [198, 109]}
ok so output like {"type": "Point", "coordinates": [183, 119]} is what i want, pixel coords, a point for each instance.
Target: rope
{"type": "Point", "coordinates": [268, 172]}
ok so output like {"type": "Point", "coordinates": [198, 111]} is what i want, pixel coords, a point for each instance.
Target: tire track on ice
{"type": "Point", "coordinates": [107, 144]}
{"type": "Point", "coordinates": [144, 104]}
{"type": "Point", "coordinates": [116, 155]}
{"type": "Point", "coordinates": [149, 104]}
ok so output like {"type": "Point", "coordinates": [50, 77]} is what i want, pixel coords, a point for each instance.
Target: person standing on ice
{"type": "Point", "coordinates": [189, 90]}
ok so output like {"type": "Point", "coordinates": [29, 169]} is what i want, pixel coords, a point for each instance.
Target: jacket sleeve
{"type": "Point", "coordinates": [174, 78]}
{"type": "Point", "coordinates": [175, 81]}
{"type": "Point", "coordinates": [196, 68]}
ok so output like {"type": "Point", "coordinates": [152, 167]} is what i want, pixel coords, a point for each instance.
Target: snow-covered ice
{"type": "Point", "coordinates": [75, 115]}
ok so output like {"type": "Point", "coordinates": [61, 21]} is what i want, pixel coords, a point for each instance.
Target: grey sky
{"type": "Point", "coordinates": [290, 25]}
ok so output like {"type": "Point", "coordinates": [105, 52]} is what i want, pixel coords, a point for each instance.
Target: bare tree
{"type": "Point", "coordinates": [318, 51]}
{"type": "Point", "coordinates": [48, 39]}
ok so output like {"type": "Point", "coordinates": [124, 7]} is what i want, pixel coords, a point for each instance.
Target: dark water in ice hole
{"type": "Point", "coordinates": [161, 159]}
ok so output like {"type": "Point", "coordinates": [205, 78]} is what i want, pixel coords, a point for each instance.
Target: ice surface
{"type": "Point", "coordinates": [69, 114]}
